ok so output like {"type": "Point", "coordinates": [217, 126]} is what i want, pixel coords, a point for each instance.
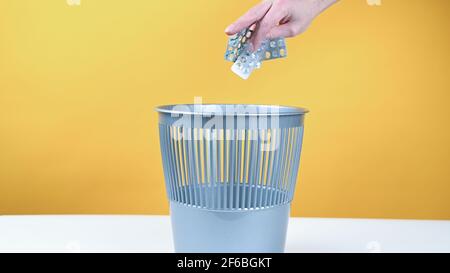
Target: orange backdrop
{"type": "Point", "coordinates": [78, 85]}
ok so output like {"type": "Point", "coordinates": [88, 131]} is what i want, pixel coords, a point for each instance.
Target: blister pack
{"type": "Point", "coordinates": [245, 61]}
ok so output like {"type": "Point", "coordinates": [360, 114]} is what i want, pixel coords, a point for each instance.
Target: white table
{"type": "Point", "coordinates": [153, 234]}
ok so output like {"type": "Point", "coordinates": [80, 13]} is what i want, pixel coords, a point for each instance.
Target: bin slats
{"type": "Point", "coordinates": [237, 169]}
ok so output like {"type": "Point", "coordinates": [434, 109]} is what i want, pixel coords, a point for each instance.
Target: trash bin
{"type": "Point", "coordinates": [230, 174]}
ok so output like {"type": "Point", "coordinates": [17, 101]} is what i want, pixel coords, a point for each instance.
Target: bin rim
{"type": "Point", "coordinates": [283, 110]}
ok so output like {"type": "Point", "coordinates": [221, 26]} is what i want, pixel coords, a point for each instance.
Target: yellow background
{"type": "Point", "coordinates": [78, 85]}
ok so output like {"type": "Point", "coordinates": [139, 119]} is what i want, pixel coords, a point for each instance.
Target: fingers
{"type": "Point", "coordinates": [285, 31]}
{"type": "Point", "coordinates": [253, 15]}
{"type": "Point", "coordinates": [270, 20]}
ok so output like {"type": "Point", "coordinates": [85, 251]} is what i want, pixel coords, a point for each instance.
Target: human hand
{"type": "Point", "coordinates": [279, 18]}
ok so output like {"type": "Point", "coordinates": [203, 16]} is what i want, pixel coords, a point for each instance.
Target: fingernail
{"type": "Point", "coordinates": [228, 29]}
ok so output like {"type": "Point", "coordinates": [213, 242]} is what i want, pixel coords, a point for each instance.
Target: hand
{"type": "Point", "coordinates": [279, 18]}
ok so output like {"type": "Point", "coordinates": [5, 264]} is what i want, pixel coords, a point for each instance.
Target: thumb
{"type": "Point", "coordinates": [282, 31]}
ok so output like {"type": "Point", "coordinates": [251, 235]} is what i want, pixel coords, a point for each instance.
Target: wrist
{"type": "Point", "coordinates": [324, 4]}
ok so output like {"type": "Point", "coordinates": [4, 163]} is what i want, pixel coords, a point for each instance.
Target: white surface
{"type": "Point", "coordinates": [153, 234]}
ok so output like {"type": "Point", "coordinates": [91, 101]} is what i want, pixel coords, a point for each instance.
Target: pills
{"type": "Point", "coordinates": [245, 61]}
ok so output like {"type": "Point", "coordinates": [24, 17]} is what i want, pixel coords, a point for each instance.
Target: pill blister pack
{"type": "Point", "coordinates": [237, 43]}
{"type": "Point", "coordinates": [245, 61]}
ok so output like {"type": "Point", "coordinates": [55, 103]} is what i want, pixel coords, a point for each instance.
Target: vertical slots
{"type": "Point", "coordinates": [230, 169]}
{"type": "Point", "coordinates": [238, 168]}
{"type": "Point", "coordinates": [190, 162]}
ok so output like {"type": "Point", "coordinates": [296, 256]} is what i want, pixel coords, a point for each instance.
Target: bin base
{"type": "Point", "coordinates": [201, 230]}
